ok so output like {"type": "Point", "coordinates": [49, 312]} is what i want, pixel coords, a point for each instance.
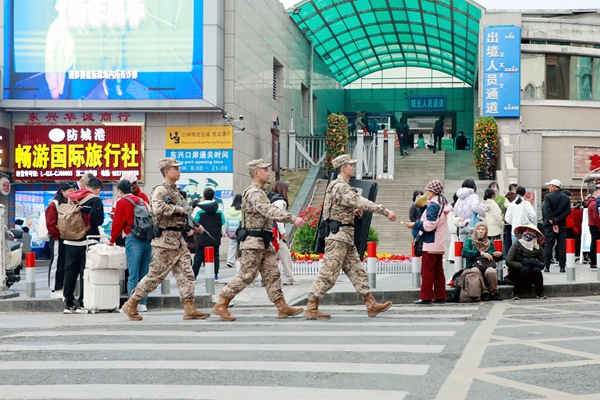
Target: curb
{"type": "Point", "coordinates": [55, 305]}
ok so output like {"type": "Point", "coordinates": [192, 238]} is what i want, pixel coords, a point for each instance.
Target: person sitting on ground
{"type": "Point", "coordinates": [525, 261]}
{"type": "Point", "coordinates": [478, 245]}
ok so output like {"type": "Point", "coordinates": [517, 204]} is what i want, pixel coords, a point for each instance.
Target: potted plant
{"type": "Point", "coordinates": [486, 131]}
{"type": "Point", "coordinates": [336, 138]}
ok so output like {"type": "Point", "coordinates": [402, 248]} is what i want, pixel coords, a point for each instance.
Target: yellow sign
{"type": "Point", "coordinates": [199, 137]}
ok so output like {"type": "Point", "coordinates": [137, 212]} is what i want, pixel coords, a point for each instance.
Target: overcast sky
{"type": "Point", "coordinates": [519, 4]}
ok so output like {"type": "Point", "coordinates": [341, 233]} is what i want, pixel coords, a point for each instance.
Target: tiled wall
{"type": "Point", "coordinates": [256, 31]}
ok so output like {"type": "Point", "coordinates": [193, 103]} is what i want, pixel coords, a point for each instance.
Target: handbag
{"type": "Point", "coordinates": [419, 245]}
{"type": "Point", "coordinates": [483, 263]}
{"type": "Point", "coordinates": [475, 219]}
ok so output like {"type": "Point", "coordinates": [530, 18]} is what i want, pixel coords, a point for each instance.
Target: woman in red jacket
{"type": "Point", "coordinates": [56, 272]}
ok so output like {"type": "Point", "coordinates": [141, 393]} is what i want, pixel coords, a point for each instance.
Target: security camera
{"type": "Point", "coordinates": [241, 117]}
{"type": "Point", "coordinates": [240, 128]}
{"type": "Point", "coordinates": [226, 115]}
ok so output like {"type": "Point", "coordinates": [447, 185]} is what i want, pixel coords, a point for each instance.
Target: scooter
{"type": "Point", "coordinates": [15, 249]}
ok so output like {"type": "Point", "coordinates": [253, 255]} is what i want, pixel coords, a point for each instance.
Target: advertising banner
{"type": "Point", "coordinates": [4, 149]}
{"type": "Point", "coordinates": [201, 148]}
{"type": "Point", "coordinates": [103, 50]}
{"type": "Point", "coordinates": [68, 117]}
{"type": "Point", "coordinates": [66, 152]}
{"type": "Point", "coordinates": [195, 183]}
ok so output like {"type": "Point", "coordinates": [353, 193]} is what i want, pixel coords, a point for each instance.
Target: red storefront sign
{"type": "Point", "coordinates": [66, 152]}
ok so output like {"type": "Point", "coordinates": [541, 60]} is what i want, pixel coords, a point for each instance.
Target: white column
{"type": "Point", "coordinates": [379, 160]}
{"type": "Point", "coordinates": [292, 149]}
{"type": "Point", "coordinates": [391, 154]}
{"type": "Point", "coordinates": [359, 153]}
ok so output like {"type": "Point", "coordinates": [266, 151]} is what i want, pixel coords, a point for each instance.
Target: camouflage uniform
{"type": "Point", "coordinates": [258, 214]}
{"type": "Point", "coordinates": [169, 250]}
{"type": "Point", "coordinates": [340, 252]}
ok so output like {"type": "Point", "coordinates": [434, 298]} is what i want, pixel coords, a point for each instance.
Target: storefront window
{"type": "Point", "coordinates": [581, 78]}
{"type": "Point", "coordinates": [596, 80]}
{"type": "Point", "coordinates": [533, 76]}
{"type": "Point", "coordinates": [557, 75]}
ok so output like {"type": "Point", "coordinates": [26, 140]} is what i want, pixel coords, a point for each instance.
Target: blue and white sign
{"type": "Point", "coordinates": [427, 103]}
{"type": "Point", "coordinates": [203, 160]}
{"type": "Point", "coordinates": [502, 71]}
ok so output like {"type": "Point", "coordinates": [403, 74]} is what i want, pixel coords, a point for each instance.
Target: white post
{"type": "Point", "coordinates": [379, 160]}
{"type": "Point", "coordinates": [458, 260]}
{"type": "Point", "coordinates": [391, 154]}
{"type": "Point", "coordinates": [359, 151]}
{"type": "Point", "coordinates": [3, 254]}
{"type": "Point", "coordinates": [372, 264]}
{"type": "Point", "coordinates": [416, 268]}
{"type": "Point", "coordinates": [30, 274]}
{"type": "Point", "coordinates": [209, 265]}
{"type": "Point", "coordinates": [292, 149]}
{"type": "Point", "coordinates": [571, 260]}
{"type": "Point", "coordinates": [165, 286]}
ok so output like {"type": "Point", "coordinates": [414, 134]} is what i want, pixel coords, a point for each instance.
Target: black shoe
{"type": "Point", "coordinates": [497, 297]}
{"type": "Point", "coordinates": [541, 295]}
{"type": "Point", "coordinates": [421, 301]}
{"type": "Point", "coordinates": [562, 269]}
{"type": "Point", "coordinates": [547, 269]}
{"type": "Point", "coordinates": [513, 296]}
{"type": "Point", "coordinates": [485, 297]}
{"type": "Point", "coordinates": [439, 302]}
{"type": "Point", "coordinates": [69, 309]}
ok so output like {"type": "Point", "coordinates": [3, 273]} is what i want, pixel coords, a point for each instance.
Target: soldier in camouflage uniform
{"type": "Point", "coordinates": [258, 254]}
{"type": "Point", "coordinates": [169, 250]}
{"type": "Point", "coordinates": [341, 204]}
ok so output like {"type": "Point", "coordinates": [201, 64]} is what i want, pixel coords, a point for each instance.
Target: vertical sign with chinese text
{"type": "Point", "coordinates": [201, 148]}
{"type": "Point", "coordinates": [502, 71]}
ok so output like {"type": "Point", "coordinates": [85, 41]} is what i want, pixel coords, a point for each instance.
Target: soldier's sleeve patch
{"type": "Point", "coordinates": [264, 200]}
{"type": "Point", "coordinates": [159, 196]}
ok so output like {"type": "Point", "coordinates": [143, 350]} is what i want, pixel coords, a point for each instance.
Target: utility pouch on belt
{"type": "Point", "coordinates": [334, 226]}
{"type": "Point", "coordinates": [241, 233]}
{"type": "Point", "coordinates": [267, 238]}
{"type": "Point", "coordinates": [156, 231]}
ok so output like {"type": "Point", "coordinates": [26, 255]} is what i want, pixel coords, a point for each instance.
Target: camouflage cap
{"type": "Point", "coordinates": [256, 164]}
{"type": "Point", "coordinates": [341, 160]}
{"type": "Point", "coordinates": [168, 162]}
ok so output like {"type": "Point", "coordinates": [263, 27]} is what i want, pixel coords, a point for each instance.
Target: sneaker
{"type": "Point", "coordinates": [439, 301]}
{"type": "Point", "coordinates": [593, 266]}
{"type": "Point", "coordinates": [401, 156]}
{"type": "Point", "coordinates": [142, 308]}
{"type": "Point", "coordinates": [513, 296]}
{"type": "Point", "coordinates": [292, 281]}
{"type": "Point", "coordinates": [547, 269]}
{"type": "Point", "coordinates": [541, 295]}
{"type": "Point", "coordinates": [216, 278]}
{"type": "Point", "coordinates": [406, 152]}
{"type": "Point", "coordinates": [80, 310]}
{"type": "Point", "coordinates": [69, 309]}
{"type": "Point", "coordinates": [56, 294]}
{"type": "Point", "coordinates": [485, 297]}
{"type": "Point", "coordinates": [497, 297]}
{"type": "Point", "coordinates": [230, 265]}
{"type": "Point", "coordinates": [562, 269]}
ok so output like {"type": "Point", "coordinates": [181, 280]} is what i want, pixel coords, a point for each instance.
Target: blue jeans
{"type": "Point", "coordinates": [138, 253]}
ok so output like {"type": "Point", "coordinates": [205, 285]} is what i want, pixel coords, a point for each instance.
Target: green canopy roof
{"type": "Point", "coordinates": [358, 37]}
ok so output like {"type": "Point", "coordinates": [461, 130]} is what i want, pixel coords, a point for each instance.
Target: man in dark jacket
{"type": "Point", "coordinates": [594, 224]}
{"type": "Point", "coordinates": [212, 219]}
{"type": "Point", "coordinates": [555, 210]}
{"type": "Point", "coordinates": [402, 131]}
{"type": "Point", "coordinates": [92, 212]}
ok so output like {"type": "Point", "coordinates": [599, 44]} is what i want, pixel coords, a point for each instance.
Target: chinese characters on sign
{"type": "Point", "coordinates": [502, 71]}
{"type": "Point", "coordinates": [48, 153]}
{"type": "Point", "coordinates": [201, 148]}
{"type": "Point", "coordinates": [54, 117]}
{"type": "Point", "coordinates": [102, 74]}
{"type": "Point", "coordinates": [427, 103]}
{"type": "Point", "coordinates": [203, 160]}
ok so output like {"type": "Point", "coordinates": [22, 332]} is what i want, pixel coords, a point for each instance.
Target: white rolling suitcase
{"type": "Point", "coordinates": [101, 290]}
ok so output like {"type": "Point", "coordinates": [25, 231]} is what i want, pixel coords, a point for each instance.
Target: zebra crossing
{"type": "Point", "coordinates": [404, 353]}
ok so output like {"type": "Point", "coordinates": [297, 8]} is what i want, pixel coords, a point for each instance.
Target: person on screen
{"type": "Point", "coordinates": [60, 51]}
{"type": "Point", "coordinates": [112, 44]}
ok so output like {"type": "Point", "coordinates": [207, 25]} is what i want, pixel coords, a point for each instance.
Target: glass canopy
{"type": "Point", "coordinates": [358, 37]}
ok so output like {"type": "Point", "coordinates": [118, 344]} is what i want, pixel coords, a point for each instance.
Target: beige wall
{"type": "Point", "coordinates": [557, 162]}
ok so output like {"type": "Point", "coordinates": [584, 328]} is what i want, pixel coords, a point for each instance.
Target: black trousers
{"type": "Point", "coordinates": [507, 238]}
{"type": "Point", "coordinates": [74, 266]}
{"type": "Point", "coordinates": [199, 259]}
{"type": "Point", "coordinates": [595, 236]}
{"type": "Point", "coordinates": [560, 239]}
{"type": "Point", "coordinates": [437, 140]}
{"type": "Point", "coordinates": [528, 276]}
{"type": "Point", "coordinates": [56, 270]}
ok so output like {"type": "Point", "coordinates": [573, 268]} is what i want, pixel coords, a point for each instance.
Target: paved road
{"type": "Point", "coordinates": [522, 350]}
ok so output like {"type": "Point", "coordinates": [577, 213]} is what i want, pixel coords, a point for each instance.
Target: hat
{"type": "Point", "coordinates": [67, 185]}
{"type": "Point", "coordinates": [435, 186]}
{"type": "Point", "coordinates": [168, 162]}
{"type": "Point", "coordinates": [554, 182]}
{"type": "Point", "coordinates": [519, 230]}
{"type": "Point", "coordinates": [568, 193]}
{"type": "Point", "coordinates": [256, 164]}
{"type": "Point", "coordinates": [129, 176]}
{"type": "Point", "coordinates": [341, 160]}
{"type": "Point", "coordinates": [124, 185]}
{"type": "Point", "coordinates": [210, 182]}
{"type": "Point", "coordinates": [192, 182]}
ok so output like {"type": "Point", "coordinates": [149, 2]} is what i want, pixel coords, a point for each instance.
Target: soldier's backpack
{"type": "Point", "coordinates": [70, 220]}
{"type": "Point", "coordinates": [470, 287]}
{"type": "Point", "coordinates": [141, 227]}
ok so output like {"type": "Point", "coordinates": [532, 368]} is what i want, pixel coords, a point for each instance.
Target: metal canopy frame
{"type": "Point", "coordinates": [358, 37]}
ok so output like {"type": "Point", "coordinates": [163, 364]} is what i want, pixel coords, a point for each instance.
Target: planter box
{"type": "Point", "coordinates": [383, 267]}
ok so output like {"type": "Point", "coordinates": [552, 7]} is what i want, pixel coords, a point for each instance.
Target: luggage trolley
{"type": "Point", "coordinates": [101, 276]}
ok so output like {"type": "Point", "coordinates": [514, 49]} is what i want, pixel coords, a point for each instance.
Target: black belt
{"type": "Point", "coordinates": [257, 233]}
{"type": "Point", "coordinates": [174, 229]}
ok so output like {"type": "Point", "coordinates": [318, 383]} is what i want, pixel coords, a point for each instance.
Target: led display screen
{"type": "Point", "coordinates": [103, 49]}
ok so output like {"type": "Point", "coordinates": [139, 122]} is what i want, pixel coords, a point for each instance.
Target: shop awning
{"type": "Point", "coordinates": [358, 37]}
